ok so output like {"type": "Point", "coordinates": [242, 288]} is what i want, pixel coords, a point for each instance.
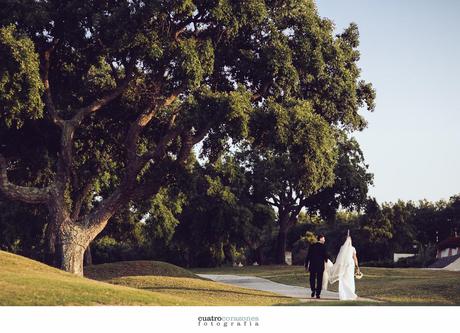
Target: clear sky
{"type": "Point", "coordinates": [410, 51]}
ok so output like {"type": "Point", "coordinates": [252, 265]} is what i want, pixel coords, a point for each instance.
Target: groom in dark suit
{"type": "Point", "coordinates": [314, 262]}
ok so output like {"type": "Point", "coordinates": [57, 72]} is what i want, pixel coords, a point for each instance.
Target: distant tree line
{"type": "Point", "coordinates": [380, 230]}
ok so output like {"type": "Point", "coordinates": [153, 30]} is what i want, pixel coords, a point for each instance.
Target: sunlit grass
{"type": "Point", "coordinates": [393, 286]}
{"type": "Point", "coordinates": [202, 292]}
{"type": "Point", "coordinates": [28, 282]}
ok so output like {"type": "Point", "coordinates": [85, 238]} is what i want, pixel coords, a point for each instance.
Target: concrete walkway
{"type": "Point", "coordinates": [257, 283]}
{"type": "Point", "coordinates": [455, 266]}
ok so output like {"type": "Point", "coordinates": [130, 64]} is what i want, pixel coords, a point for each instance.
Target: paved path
{"type": "Point", "coordinates": [455, 266]}
{"type": "Point", "coordinates": [253, 282]}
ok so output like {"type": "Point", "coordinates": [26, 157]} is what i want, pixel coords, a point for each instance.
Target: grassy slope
{"type": "Point", "coordinates": [136, 268]}
{"type": "Point", "coordinates": [393, 286]}
{"type": "Point", "coordinates": [28, 282]}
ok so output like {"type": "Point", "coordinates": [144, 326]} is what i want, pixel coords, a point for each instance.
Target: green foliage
{"type": "Point", "coordinates": [379, 231]}
{"type": "Point", "coordinates": [99, 77]}
{"type": "Point", "coordinates": [301, 150]}
{"type": "Point", "coordinates": [220, 220]}
{"type": "Point", "coordinates": [376, 223]}
{"type": "Point", "coordinates": [22, 229]}
{"type": "Point", "coordinates": [162, 221]}
{"type": "Point", "coordinates": [190, 64]}
{"type": "Point", "coordinates": [20, 83]}
{"type": "Point", "coordinates": [350, 187]}
{"type": "Point", "coordinates": [310, 237]}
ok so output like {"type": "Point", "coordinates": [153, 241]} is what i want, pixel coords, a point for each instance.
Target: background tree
{"type": "Point", "coordinates": [427, 221]}
{"type": "Point", "coordinates": [294, 151]}
{"type": "Point", "coordinates": [404, 231]}
{"type": "Point", "coordinates": [350, 188]}
{"type": "Point", "coordinates": [301, 162]}
{"type": "Point", "coordinates": [296, 170]}
{"type": "Point", "coordinates": [377, 228]}
{"type": "Point", "coordinates": [453, 214]}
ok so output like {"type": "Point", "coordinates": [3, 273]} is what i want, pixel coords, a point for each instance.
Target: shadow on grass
{"type": "Point", "coordinates": [363, 303]}
{"type": "Point", "coordinates": [201, 290]}
{"type": "Point", "coordinates": [334, 303]}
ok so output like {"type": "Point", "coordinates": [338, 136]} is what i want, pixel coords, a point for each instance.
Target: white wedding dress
{"type": "Point", "coordinates": [327, 272]}
{"type": "Point", "coordinates": [343, 271]}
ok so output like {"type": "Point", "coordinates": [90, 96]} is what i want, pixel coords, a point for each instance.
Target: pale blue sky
{"type": "Point", "coordinates": [410, 51]}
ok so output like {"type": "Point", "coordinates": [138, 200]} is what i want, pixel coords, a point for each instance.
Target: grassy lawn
{"type": "Point", "coordinates": [202, 292]}
{"type": "Point", "coordinates": [28, 282]}
{"type": "Point", "coordinates": [137, 268]}
{"type": "Point", "coordinates": [167, 279]}
{"type": "Point", "coordinates": [393, 286]}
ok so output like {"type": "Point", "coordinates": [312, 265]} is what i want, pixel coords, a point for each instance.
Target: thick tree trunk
{"type": "Point", "coordinates": [260, 256]}
{"type": "Point", "coordinates": [72, 257]}
{"type": "Point", "coordinates": [72, 243]}
{"type": "Point", "coordinates": [280, 254]}
{"type": "Point", "coordinates": [280, 250]}
{"type": "Point", "coordinates": [287, 218]}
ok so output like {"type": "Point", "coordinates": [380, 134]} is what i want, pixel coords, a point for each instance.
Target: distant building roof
{"type": "Point", "coordinates": [449, 243]}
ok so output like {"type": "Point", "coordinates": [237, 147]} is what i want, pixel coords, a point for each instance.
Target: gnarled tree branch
{"type": "Point", "coordinates": [49, 103]}
{"type": "Point", "coordinates": [82, 113]}
{"type": "Point", "coordinates": [141, 122]}
{"type": "Point", "coordinates": [125, 190]}
{"type": "Point", "coordinates": [81, 198]}
{"type": "Point", "coordinates": [26, 194]}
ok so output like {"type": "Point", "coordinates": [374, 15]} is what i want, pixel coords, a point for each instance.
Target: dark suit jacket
{"type": "Point", "coordinates": [316, 257]}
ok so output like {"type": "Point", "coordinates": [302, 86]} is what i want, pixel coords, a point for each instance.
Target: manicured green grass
{"type": "Point", "coordinates": [164, 278]}
{"type": "Point", "coordinates": [27, 282]}
{"type": "Point", "coordinates": [202, 292]}
{"type": "Point", "coordinates": [392, 286]}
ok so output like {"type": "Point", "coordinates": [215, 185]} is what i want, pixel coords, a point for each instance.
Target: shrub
{"type": "Point", "coordinates": [107, 249]}
{"type": "Point", "coordinates": [424, 258]}
{"type": "Point", "coordinates": [300, 248]}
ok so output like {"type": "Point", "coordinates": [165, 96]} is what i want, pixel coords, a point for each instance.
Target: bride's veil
{"type": "Point", "coordinates": [344, 258]}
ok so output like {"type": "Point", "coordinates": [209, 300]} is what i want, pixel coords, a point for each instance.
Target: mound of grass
{"type": "Point", "coordinates": [136, 268]}
{"type": "Point", "coordinates": [27, 282]}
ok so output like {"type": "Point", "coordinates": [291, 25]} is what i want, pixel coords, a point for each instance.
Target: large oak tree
{"type": "Point", "coordinates": [111, 96]}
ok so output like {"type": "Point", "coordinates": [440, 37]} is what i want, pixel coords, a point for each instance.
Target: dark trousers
{"type": "Point", "coordinates": [316, 276]}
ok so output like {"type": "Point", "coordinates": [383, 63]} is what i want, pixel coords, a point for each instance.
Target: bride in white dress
{"type": "Point", "coordinates": [343, 271]}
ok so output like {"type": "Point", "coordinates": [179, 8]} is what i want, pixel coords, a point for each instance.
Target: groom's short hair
{"type": "Point", "coordinates": [321, 236]}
